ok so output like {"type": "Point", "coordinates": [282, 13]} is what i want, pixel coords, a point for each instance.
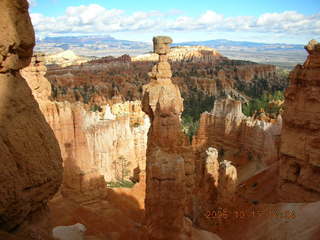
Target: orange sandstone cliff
{"type": "Point", "coordinates": [300, 139]}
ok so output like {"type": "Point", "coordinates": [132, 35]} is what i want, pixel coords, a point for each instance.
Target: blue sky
{"type": "Point", "coordinates": [286, 21]}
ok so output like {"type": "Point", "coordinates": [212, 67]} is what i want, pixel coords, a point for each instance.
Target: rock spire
{"type": "Point", "coordinates": [165, 171]}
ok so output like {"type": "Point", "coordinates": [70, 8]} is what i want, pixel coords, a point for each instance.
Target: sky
{"type": "Point", "coordinates": [269, 21]}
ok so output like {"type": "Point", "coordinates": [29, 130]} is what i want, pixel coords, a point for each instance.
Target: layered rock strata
{"type": "Point", "coordinates": [186, 54]}
{"type": "Point", "coordinates": [31, 163]}
{"type": "Point", "coordinates": [250, 144]}
{"type": "Point", "coordinates": [166, 197]}
{"type": "Point", "coordinates": [300, 138]}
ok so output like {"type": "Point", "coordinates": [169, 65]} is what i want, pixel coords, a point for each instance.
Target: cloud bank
{"type": "Point", "coordinates": [95, 19]}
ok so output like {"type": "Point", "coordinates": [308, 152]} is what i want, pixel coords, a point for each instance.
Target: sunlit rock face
{"type": "Point", "coordinates": [97, 149]}
{"type": "Point", "coordinates": [300, 139]}
{"type": "Point", "coordinates": [31, 163]}
{"type": "Point", "coordinates": [227, 183]}
{"type": "Point", "coordinates": [249, 143]}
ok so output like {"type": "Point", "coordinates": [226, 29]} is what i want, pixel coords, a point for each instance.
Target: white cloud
{"type": "Point", "coordinates": [210, 17]}
{"type": "Point", "coordinates": [279, 18]}
{"type": "Point", "coordinates": [93, 19]}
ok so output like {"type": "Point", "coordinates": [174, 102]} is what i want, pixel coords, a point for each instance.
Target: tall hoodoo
{"type": "Point", "coordinates": [162, 101]}
{"type": "Point", "coordinates": [300, 138]}
{"type": "Point", "coordinates": [165, 171]}
{"type": "Point", "coordinates": [30, 158]}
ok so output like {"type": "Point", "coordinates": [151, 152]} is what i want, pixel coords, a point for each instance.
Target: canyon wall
{"type": "Point", "coordinates": [248, 72]}
{"type": "Point", "coordinates": [300, 139]}
{"type": "Point", "coordinates": [249, 143]}
{"type": "Point", "coordinates": [31, 163]}
{"type": "Point", "coordinates": [108, 144]}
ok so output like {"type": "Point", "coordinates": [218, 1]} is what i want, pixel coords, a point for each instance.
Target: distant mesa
{"type": "Point", "coordinates": [286, 55]}
{"type": "Point", "coordinates": [75, 39]}
{"type": "Point", "coordinates": [67, 55]}
{"type": "Point", "coordinates": [66, 58]}
{"type": "Point", "coordinates": [186, 54]}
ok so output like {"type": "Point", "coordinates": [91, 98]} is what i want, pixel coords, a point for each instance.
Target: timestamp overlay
{"type": "Point", "coordinates": [246, 213]}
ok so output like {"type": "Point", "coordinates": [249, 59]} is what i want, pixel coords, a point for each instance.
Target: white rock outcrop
{"type": "Point", "coordinates": [73, 232]}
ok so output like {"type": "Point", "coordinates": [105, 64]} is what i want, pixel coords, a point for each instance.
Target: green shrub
{"type": "Point", "coordinates": [120, 184]}
{"type": "Point", "coordinates": [189, 126]}
{"type": "Point", "coordinates": [256, 104]}
{"type": "Point", "coordinates": [136, 124]}
{"type": "Point", "coordinates": [96, 108]}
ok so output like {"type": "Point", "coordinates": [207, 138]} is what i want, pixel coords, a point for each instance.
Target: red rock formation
{"type": "Point", "coordinates": [250, 144]}
{"type": "Point", "coordinates": [249, 72]}
{"type": "Point", "coordinates": [212, 165]}
{"type": "Point", "coordinates": [41, 88]}
{"type": "Point", "coordinates": [300, 138]}
{"type": "Point", "coordinates": [31, 164]}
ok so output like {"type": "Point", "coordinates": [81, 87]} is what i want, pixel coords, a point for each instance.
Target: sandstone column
{"type": "Point", "coordinates": [165, 171]}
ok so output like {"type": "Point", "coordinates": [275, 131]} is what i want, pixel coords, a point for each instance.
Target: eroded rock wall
{"type": "Point", "coordinates": [250, 144]}
{"type": "Point", "coordinates": [300, 139]}
{"type": "Point", "coordinates": [31, 163]}
{"type": "Point", "coordinates": [97, 147]}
